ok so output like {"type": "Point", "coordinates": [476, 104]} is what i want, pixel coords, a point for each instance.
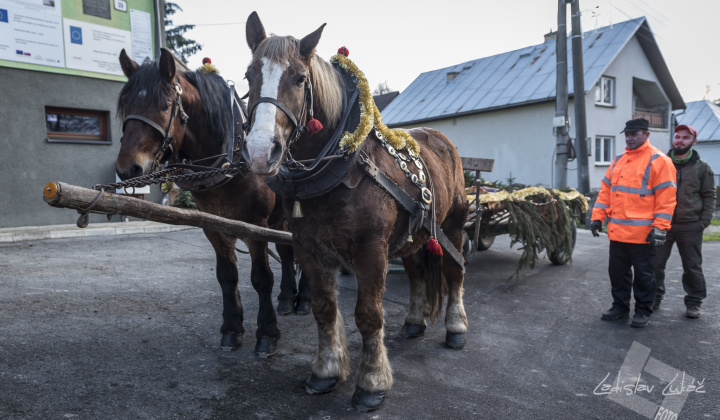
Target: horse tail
{"type": "Point", "coordinates": [435, 285]}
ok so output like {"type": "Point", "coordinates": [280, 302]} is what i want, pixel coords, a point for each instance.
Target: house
{"type": "Point", "coordinates": [384, 99]}
{"type": "Point", "coordinates": [501, 107]}
{"type": "Point", "coordinates": [704, 116]}
{"type": "Point", "coordinates": [58, 103]}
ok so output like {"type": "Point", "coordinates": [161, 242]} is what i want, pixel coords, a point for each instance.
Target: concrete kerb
{"type": "Point", "coordinates": [34, 233]}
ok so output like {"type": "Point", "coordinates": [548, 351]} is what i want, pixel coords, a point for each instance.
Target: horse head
{"type": "Point", "coordinates": [153, 116]}
{"type": "Point", "coordinates": [280, 80]}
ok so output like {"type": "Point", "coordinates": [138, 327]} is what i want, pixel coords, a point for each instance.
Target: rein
{"type": "Point", "coordinates": [299, 128]}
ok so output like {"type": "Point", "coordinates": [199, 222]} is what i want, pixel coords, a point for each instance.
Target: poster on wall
{"type": "Point", "coordinates": [79, 37]}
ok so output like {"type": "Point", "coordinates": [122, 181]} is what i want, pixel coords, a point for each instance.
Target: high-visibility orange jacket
{"type": "Point", "coordinates": [637, 193]}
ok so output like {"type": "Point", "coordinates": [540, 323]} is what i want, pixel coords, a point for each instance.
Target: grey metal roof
{"type": "Point", "coordinates": [521, 77]}
{"type": "Point", "coordinates": [704, 116]}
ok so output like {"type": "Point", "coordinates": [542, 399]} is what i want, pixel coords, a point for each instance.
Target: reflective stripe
{"type": "Point", "coordinates": [639, 191]}
{"type": "Point", "coordinates": [607, 181]}
{"type": "Point", "coordinates": [646, 175]}
{"type": "Point", "coordinates": [630, 222]}
{"type": "Point", "coordinates": [663, 216]}
{"type": "Point", "coordinates": [600, 206]}
{"type": "Point", "coordinates": [665, 185]}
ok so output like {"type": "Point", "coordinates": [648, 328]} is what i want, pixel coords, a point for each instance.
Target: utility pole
{"type": "Point", "coordinates": [560, 122]}
{"type": "Point", "coordinates": [579, 100]}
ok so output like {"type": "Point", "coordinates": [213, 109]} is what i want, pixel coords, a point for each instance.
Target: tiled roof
{"type": "Point", "coordinates": [520, 77]}
{"type": "Point", "coordinates": [704, 116]}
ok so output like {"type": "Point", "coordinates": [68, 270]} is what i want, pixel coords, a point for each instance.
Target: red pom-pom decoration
{"type": "Point", "coordinates": [344, 51]}
{"type": "Point", "coordinates": [434, 247]}
{"type": "Point", "coordinates": [207, 60]}
{"type": "Point", "coordinates": [314, 126]}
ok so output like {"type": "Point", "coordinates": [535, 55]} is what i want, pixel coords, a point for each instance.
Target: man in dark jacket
{"type": "Point", "coordinates": [695, 204]}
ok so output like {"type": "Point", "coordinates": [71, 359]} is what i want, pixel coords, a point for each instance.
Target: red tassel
{"type": "Point", "coordinates": [314, 126]}
{"type": "Point", "coordinates": [207, 60]}
{"type": "Point", "coordinates": [434, 247]}
{"type": "Point", "coordinates": [344, 51]}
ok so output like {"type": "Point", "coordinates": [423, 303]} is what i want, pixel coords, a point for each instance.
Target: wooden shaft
{"type": "Point", "coordinates": [62, 195]}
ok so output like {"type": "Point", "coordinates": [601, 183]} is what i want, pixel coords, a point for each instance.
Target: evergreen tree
{"type": "Point", "coordinates": [175, 35]}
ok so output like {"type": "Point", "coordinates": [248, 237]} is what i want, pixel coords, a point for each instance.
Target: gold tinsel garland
{"type": "Point", "coordinates": [370, 116]}
{"type": "Point", "coordinates": [521, 195]}
{"type": "Point", "coordinates": [208, 68]}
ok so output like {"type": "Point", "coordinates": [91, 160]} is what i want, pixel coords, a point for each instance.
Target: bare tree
{"type": "Point", "coordinates": [382, 88]}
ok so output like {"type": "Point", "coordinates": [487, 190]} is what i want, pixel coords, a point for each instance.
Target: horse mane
{"type": "Point", "coordinates": [327, 84]}
{"type": "Point", "coordinates": [212, 89]}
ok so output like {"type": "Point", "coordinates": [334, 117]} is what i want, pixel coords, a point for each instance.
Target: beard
{"type": "Point", "coordinates": [681, 151]}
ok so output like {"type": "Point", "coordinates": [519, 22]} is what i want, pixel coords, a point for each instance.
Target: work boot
{"type": "Point", "coordinates": [656, 304]}
{"type": "Point", "coordinates": [614, 314]}
{"type": "Point", "coordinates": [640, 320]}
{"type": "Point", "coordinates": [693, 311]}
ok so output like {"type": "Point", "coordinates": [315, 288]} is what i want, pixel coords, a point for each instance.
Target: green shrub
{"type": "Point", "coordinates": [184, 200]}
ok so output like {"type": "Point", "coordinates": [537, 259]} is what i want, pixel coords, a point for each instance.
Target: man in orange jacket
{"type": "Point", "coordinates": [637, 196]}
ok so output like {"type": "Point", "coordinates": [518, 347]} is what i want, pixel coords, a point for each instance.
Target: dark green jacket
{"type": "Point", "coordinates": [695, 191]}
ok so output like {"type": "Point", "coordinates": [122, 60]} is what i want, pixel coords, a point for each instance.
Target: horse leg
{"type": "Point", "coordinates": [288, 290]}
{"type": "Point", "coordinates": [374, 376]}
{"type": "Point", "coordinates": [227, 275]}
{"type": "Point", "coordinates": [419, 310]}
{"type": "Point", "coordinates": [292, 298]}
{"type": "Point", "coordinates": [456, 323]}
{"type": "Point", "coordinates": [332, 363]}
{"type": "Point", "coordinates": [261, 276]}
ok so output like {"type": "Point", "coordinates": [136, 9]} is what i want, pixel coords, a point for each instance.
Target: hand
{"type": "Point", "coordinates": [656, 237]}
{"type": "Point", "coordinates": [595, 227]}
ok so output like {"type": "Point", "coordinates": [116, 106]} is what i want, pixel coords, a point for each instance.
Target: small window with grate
{"type": "Point", "coordinates": [67, 125]}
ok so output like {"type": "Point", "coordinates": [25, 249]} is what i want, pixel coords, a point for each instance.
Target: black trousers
{"type": "Point", "coordinates": [632, 268]}
{"type": "Point", "coordinates": [688, 237]}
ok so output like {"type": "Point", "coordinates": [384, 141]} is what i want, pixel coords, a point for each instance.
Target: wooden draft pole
{"type": "Point", "coordinates": [62, 195]}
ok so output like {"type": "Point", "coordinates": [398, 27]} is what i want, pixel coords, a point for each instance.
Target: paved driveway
{"type": "Point", "coordinates": [123, 327]}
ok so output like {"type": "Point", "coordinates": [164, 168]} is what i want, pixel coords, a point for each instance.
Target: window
{"type": "Point", "coordinates": [65, 125]}
{"type": "Point", "coordinates": [604, 149]}
{"type": "Point", "coordinates": [605, 93]}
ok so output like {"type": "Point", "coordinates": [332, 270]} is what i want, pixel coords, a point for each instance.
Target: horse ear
{"type": "Point", "coordinates": [254, 31]}
{"type": "Point", "coordinates": [167, 65]}
{"type": "Point", "coordinates": [308, 44]}
{"type": "Point", "coordinates": [128, 65]}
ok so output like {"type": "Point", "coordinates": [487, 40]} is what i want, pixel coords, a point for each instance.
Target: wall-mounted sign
{"type": "Point", "coordinates": [79, 37]}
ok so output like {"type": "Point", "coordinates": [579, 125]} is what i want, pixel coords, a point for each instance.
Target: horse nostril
{"type": "Point", "coordinates": [275, 152]}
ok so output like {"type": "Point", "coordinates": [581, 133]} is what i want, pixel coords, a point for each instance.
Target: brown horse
{"type": "Point", "coordinates": [352, 220]}
{"type": "Point", "coordinates": [189, 113]}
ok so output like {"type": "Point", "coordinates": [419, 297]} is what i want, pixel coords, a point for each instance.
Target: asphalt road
{"type": "Point", "coordinates": [127, 327]}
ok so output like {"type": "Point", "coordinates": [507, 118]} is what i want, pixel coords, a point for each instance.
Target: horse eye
{"type": "Point", "coordinates": [301, 80]}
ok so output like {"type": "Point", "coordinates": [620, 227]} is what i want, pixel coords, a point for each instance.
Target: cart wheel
{"type": "Point", "coordinates": [559, 257]}
{"type": "Point", "coordinates": [485, 242]}
{"type": "Point", "coordinates": [466, 246]}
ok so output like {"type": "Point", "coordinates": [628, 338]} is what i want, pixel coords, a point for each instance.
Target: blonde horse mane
{"type": "Point", "coordinates": [327, 83]}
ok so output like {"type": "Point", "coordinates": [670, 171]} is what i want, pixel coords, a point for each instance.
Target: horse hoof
{"type": "Point", "coordinates": [454, 340]}
{"type": "Point", "coordinates": [231, 341]}
{"type": "Point", "coordinates": [266, 347]}
{"type": "Point", "coordinates": [303, 307]}
{"type": "Point", "coordinates": [285, 306]}
{"type": "Point", "coordinates": [316, 385]}
{"type": "Point", "coordinates": [412, 330]}
{"type": "Point", "coordinates": [364, 400]}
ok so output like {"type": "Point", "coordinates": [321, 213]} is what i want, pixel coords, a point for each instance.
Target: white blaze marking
{"type": "Point", "coordinates": [264, 126]}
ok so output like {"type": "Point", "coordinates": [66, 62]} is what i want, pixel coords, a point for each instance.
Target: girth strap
{"type": "Point", "coordinates": [413, 207]}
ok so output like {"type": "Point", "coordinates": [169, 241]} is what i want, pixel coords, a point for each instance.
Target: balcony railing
{"type": "Point", "coordinates": [657, 120]}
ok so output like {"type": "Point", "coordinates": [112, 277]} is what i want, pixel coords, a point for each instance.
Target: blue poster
{"type": "Point", "coordinates": [76, 35]}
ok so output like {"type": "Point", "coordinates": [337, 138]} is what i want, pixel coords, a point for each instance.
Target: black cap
{"type": "Point", "coordinates": [636, 125]}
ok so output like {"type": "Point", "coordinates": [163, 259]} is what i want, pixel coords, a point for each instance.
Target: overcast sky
{"type": "Point", "coordinates": [395, 41]}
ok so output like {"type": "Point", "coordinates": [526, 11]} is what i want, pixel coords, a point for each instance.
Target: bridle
{"type": "Point", "coordinates": [297, 131]}
{"type": "Point", "coordinates": [177, 108]}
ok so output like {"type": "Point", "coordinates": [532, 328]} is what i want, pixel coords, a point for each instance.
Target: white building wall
{"type": "Point", "coordinates": [519, 139]}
